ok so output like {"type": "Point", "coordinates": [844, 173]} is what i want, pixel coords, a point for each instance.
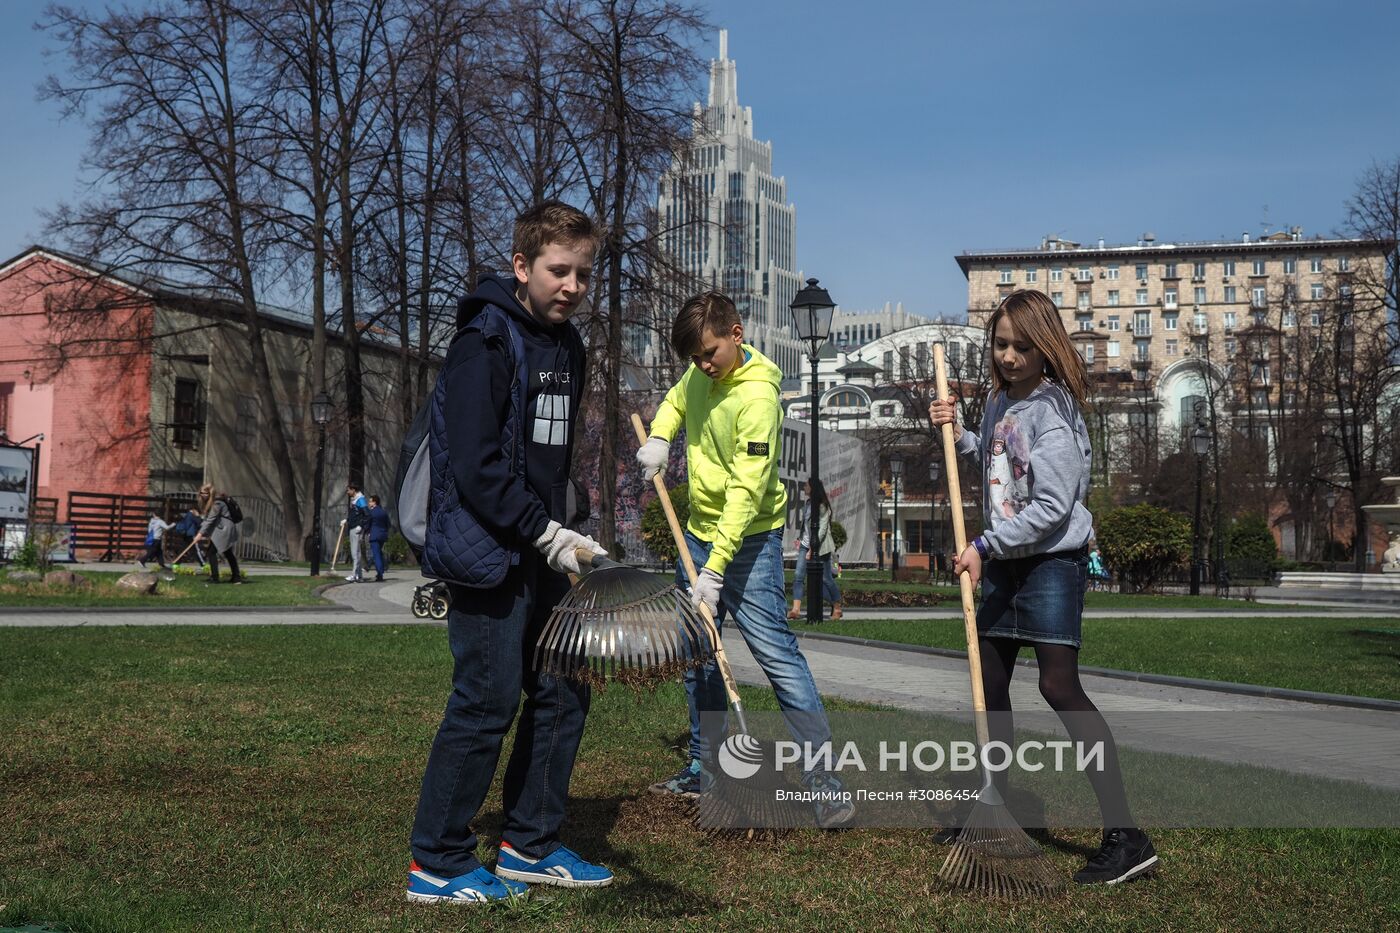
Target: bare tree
{"type": "Point", "coordinates": [183, 150]}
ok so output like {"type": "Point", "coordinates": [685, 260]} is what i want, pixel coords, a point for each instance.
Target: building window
{"type": "Point", "coordinates": [1230, 346]}
{"type": "Point", "coordinates": [1169, 298]}
{"type": "Point", "coordinates": [1169, 322]}
{"type": "Point", "coordinates": [954, 352]}
{"type": "Point", "coordinates": [245, 426]}
{"type": "Point", "coordinates": [1344, 264]}
{"type": "Point", "coordinates": [7, 391]}
{"type": "Point", "coordinates": [1057, 299]}
{"type": "Point", "coordinates": [1229, 320]}
{"type": "Point", "coordinates": [1112, 272]}
{"type": "Point", "coordinates": [1229, 294]}
{"type": "Point", "coordinates": [1317, 291]}
{"type": "Point", "coordinates": [1198, 271]}
{"type": "Point", "coordinates": [1141, 271]}
{"type": "Point", "coordinates": [1141, 349]}
{"type": "Point", "coordinates": [1030, 276]}
{"type": "Point", "coordinates": [1171, 348]}
{"type": "Point", "coordinates": [904, 362]}
{"type": "Point", "coordinates": [1088, 348]}
{"type": "Point", "coordinates": [1290, 266]}
{"type": "Point", "coordinates": [1113, 297]}
{"type": "Point", "coordinates": [1290, 318]}
{"type": "Point", "coordinates": [187, 421]}
{"type": "Point", "coordinates": [1113, 348]}
{"type": "Point", "coordinates": [1200, 295]}
{"type": "Point", "coordinates": [1258, 297]}
{"type": "Point", "coordinates": [1227, 268]}
{"type": "Point", "coordinates": [1169, 270]}
{"type": "Point", "coordinates": [1258, 267]}
{"type": "Point", "coordinates": [1085, 321]}
{"type": "Point", "coordinates": [1142, 324]}
{"type": "Point", "coordinates": [1315, 264]}
{"type": "Point", "coordinates": [1005, 276]}
{"type": "Point", "coordinates": [888, 360]}
{"type": "Point", "coordinates": [1113, 323]}
{"type": "Point", "coordinates": [1200, 321]}
{"type": "Point", "coordinates": [1057, 275]}
{"type": "Point", "coordinates": [1084, 274]}
{"type": "Point", "coordinates": [1083, 300]}
{"type": "Point", "coordinates": [1316, 318]}
{"type": "Point", "coordinates": [1141, 296]}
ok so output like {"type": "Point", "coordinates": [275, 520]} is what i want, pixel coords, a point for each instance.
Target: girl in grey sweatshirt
{"type": "Point", "coordinates": [1032, 557]}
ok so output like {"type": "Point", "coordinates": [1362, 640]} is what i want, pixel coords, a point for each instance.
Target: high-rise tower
{"type": "Point", "coordinates": [726, 222]}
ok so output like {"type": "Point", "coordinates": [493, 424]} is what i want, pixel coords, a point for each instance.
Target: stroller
{"type": "Point", "coordinates": [431, 601]}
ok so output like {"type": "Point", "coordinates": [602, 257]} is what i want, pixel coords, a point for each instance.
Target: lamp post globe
{"type": "Point", "coordinates": [321, 415]}
{"type": "Point", "coordinates": [812, 309]}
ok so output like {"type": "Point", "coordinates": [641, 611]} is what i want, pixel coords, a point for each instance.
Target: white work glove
{"type": "Point", "coordinates": [558, 545]}
{"type": "Point", "coordinates": [706, 590]}
{"type": "Point", "coordinates": [653, 456]}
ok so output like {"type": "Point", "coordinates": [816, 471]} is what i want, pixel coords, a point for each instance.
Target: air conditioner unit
{"type": "Point", "coordinates": [1225, 279]}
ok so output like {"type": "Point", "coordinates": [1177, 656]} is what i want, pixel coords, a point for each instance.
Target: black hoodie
{"type": "Point", "coordinates": [478, 404]}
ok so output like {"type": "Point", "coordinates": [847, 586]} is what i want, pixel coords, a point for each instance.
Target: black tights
{"type": "Point", "coordinates": [1059, 684]}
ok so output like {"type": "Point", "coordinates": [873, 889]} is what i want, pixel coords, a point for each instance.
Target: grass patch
{"type": "Point", "coordinates": [264, 778]}
{"type": "Point", "coordinates": [1354, 656]}
{"type": "Point", "coordinates": [184, 590]}
{"type": "Point", "coordinates": [864, 587]}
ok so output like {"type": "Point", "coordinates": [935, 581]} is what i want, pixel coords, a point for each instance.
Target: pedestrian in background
{"type": "Point", "coordinates": [220, 530]}
{"type": "Point", "coordinates": [356, 523]}
{"type": "Point", "coordinates": [378, 535]}
{"type": "Point", "coordinates": [155, 530]}
{"type": "Point", "coordinates": [825, 550]}
{"type": "Point", "coordinates": [188, 528]}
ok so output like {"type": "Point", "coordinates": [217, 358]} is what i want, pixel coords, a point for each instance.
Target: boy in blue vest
{"type": "Point", "coordinates": [501, 441]}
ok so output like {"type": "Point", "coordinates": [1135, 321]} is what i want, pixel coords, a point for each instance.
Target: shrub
{"type": "Point", "coordinates": [26, 556]}
{"type": "Point", "coordinates": [656, 531]}
{"type": "Point", "coordinates": [396, 549]}
{"type": "Point", "coordinates": [1140, 543]}
{"type": "Point", "coordinates": [838, 535]}
{"type": "Point", "coordinates": [1250, 539]}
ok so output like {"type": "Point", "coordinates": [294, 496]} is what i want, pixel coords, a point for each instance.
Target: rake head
{"type": "Point", "coordinates": [993, 855]}
{"type": "Point", "coordinates": [619, 622]}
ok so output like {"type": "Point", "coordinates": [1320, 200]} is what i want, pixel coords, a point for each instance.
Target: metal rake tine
{"type": "Point", "coordinates": [545, 657]}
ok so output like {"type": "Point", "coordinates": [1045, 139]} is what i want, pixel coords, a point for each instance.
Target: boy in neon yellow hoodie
{"type": "Point", "coordinates": [728, 403]}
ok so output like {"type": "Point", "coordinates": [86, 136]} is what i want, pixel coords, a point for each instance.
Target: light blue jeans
{"type": "Point", "coordinates": [755, 596]}
{"type": "Point", "coordinates": [830, 591]}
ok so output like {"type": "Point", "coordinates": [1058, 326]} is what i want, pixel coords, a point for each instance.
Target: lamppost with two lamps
{"type": "Point", "coordinates": [321, 414]}
{"type": "Point", "coordinates": [935, 473]}
{"type": "Point", "coordinates": [812, 309]}
{"type": "Point", "coordinates": [896, 471]}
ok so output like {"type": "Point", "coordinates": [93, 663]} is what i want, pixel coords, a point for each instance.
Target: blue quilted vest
{"type": "Point", "coordinates": [457, 547]}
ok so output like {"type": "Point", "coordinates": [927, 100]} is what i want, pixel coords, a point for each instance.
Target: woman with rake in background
{"type": "Point", "coordinates": [1033, 558]}
{"type": "Point", "coordinates": [824, 551]}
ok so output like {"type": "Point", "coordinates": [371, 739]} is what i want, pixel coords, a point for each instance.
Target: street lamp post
{"type": "Point", "coordinates": [896, 471]}
{"type": "Point", "coordinates": [935, 472]}
{"type": "Point", "coordinates": [812, 309]}
{"type": "Point", "coordinates": [1200, 444]}
{"type": "Point", "coordinates": [321, 414]}
{"type": "Point", "coordinates": [1331, 498]}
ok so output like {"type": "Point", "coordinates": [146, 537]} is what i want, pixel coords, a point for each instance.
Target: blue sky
{"type": "Point", "coordinates": [911, 131]}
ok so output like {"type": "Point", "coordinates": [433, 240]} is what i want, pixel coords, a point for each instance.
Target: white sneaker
{"type": "Point", "coordinates": [352, 579]}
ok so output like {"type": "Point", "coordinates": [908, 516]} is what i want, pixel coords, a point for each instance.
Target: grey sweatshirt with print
{"type": "Point", "coordinates": [1035, 457]}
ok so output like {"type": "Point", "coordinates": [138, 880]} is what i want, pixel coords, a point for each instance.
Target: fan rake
{"type": "Point", "coordinates": [625, 624]}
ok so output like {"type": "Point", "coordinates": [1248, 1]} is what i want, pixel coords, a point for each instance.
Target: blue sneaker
{"type": "Point", "coordinates": [475, 887]}
{"type": "Point", "coordinates": [688, 783]}
{"type": "Point", "coordinates": [561, 867]}
{"type": "Point", "coordinates": [833, 805]}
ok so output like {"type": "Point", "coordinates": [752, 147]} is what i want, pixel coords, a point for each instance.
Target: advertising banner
{"type": "Point", "coordinates": [16, 468]}
{"type": "Point", "coordinates": [847, 471]}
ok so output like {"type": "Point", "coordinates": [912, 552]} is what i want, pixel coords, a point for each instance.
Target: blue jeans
{"type": "Point", "coordinates": [755, 595]}
{"type": "Point", "coordinates": [830, 591]}
{"type": "Point", "coordinates": [376, 550]}
{"type": "Point", "coordinates": [492, 634]}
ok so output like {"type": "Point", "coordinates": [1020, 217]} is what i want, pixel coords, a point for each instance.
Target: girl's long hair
{"type": "Point", "coordinates": [819, 492]}
{"type": "Point", "coordinates": [206, 498]}
{"type": "Point", "coordinates": [1037, 321]}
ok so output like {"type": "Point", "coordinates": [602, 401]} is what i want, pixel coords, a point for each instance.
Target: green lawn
{"type": "Point", "coordinates": [265, 778]}
{"type": "Point", "coordinates": [1354, 656]}
{"type": "Point", "coordinates": [192, 591]}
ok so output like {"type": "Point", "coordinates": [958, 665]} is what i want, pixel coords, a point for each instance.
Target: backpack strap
{"type": "Point", "coordinates": [496, 322]}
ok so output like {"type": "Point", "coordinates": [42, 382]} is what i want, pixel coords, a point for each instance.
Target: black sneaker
{"type": "Point", "coordinates": [1125, 854]}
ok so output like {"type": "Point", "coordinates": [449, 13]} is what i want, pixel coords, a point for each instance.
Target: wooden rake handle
{"type": "Point", "coordinates": [950, 469]}
{"type": "Point", "coordinates": [684, 551]}
{"type": "Point", "coordinates": [184, 552]}
{"type": "Point", "coordinates": [335, 554]}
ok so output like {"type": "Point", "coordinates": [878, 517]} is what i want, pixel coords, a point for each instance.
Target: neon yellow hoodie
{"type": "Point", "coordinates": [732, 431]}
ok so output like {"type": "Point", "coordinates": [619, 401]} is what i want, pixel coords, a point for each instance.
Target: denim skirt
{"type": "Point", "coordinates": [1035, 599]}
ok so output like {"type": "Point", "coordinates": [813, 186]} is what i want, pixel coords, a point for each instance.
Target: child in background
{"type": "Point", "coordinates": [1033, 559]}
{"type": "Point", "coordinates": [155, 530]}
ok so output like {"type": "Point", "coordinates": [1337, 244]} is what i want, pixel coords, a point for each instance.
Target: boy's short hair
{"type": "Point", "coordinates": [711, 312]}
{"type": "Point", "coordinates": [551, 222]}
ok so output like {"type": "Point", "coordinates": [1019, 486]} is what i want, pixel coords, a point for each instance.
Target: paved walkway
{"type": "Point", "coordinates": [1300, 737]}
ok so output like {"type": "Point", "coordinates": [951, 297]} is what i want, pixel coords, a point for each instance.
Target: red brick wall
{"type": "Point", "coordinates": [90, 344]}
